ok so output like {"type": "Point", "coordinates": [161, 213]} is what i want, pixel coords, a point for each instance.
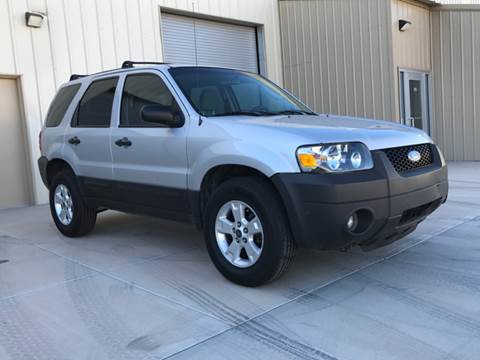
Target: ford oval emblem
{"type": "Point", "coordinates": [414, 156]}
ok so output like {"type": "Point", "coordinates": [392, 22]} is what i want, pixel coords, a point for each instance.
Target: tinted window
{"type": "Point", "coordinates": [95, 108]}
{"type": "Point", "coordinates": [222, 92]}
{"type": "Point", "coordinates": [142, 90]}
{"type": "Point", "coordinates": [59, 105]}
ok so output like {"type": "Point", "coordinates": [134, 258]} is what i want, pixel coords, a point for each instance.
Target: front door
{"type": "Point", "coordinates": [415, 99]}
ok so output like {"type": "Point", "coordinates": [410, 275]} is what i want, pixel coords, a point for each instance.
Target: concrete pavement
{"type": "Point", "coordinates": [140, 288]}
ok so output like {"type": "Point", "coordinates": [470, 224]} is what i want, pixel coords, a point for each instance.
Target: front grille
{"type": "Point", "coordinates": [400, 161]}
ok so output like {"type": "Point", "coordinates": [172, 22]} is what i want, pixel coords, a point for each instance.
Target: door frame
{"type": "Point", "coordinates": [426, 81]}
{"type": "Point", "coordinates": [29, 168]}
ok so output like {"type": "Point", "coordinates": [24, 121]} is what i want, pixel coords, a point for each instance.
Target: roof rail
{"type": "Point", "coordinates": [130, 64]}
{"type": "Point", "coordinates": [126, 64]}
{"type": "Point", "coordinates": [76, 76]}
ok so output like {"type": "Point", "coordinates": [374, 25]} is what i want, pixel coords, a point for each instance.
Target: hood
{"type": "Point", "coordinates": [308, 129]}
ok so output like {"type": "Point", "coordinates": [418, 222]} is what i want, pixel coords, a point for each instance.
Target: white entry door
{"type": "Point", "coordinates": [415, 99]}
{"type": "Point", "coordinates": [15, 180]}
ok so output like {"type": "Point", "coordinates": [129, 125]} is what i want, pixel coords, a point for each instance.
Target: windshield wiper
{"type": "Point", "coordinates": [266, 113]}
{"type": "Point", "coordinates": [239, 113]}
{"type": "Point", "coordinates": [293, 112]}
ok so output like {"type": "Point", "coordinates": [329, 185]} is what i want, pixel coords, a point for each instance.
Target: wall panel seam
{"type": "Point", "coordinates": [100, 51]}
{"type": "Point", "coordinates": [35, 71]}
{"type": "Point", "coordinates": [113, 32]}
{"type": "Point", "coordinates": [12, 37]}
{"type": "Point", "coordinates": [344, 63]}
{"type": "Point", "coordinates": [382, 88]}
{"type": "Point", "coordinates": [476, 153]}
{"type": "Point", "coordinates": [311, 54]}
{"type": "Point", "coordinates": [462, 69]}
{"type": "Point", "coordinates": [355, 101]}
{"type": "Point", "coordinates": [67, 35]}
{"type": "Point", "coordinates": [452, 85]}
{"type": "Point", "coordinates": [84, 41]}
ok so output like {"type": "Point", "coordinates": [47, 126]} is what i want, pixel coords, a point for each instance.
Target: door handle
{"type": "Point", "coordinates": [74, 140]}
{"type": "Point", "coordinates": [123, 142]}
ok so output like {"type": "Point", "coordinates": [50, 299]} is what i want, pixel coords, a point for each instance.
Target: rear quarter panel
{"type": "Point", "coordinates": [53, 138]}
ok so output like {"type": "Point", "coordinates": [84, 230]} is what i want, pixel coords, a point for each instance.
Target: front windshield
{"type": "Point", "coordinates": [226, 92]}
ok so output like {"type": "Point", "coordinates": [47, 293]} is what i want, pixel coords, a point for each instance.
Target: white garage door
{"type": "Point", "coordinates": [191, 41]}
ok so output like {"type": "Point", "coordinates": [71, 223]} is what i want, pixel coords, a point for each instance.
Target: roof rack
{"type": "Point", "coordinates": [126, 65]}
{"type": "Point", "coordinates": [76, 76]}
{"type": "Point", "coordinates": [130, 64]}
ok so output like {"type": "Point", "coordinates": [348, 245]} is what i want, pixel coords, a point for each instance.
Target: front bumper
{"type": "Point", "coordinates": [319, 205]}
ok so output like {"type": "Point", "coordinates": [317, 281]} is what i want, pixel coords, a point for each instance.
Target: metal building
{"type": "Point", "coordinates": [43, 42]}
{"type": "Point", "coordinates": [412, 61]}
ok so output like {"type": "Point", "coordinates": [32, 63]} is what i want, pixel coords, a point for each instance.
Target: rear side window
{"type": "Point", "coordinates": [141, 90]}
{"type": "Point", "coordinates": [95, 108]}
{"type": "Point", "coordinates": [60, 104]}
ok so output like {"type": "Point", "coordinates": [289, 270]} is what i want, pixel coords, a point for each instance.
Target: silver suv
{"type": "Point", "coordinates": [244, 160]}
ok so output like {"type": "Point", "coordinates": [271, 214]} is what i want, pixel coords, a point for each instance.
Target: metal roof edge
{"type": "Point", "coordinates": [458, 7]}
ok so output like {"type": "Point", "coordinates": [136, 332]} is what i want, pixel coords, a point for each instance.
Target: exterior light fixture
{"type": "Point", "coordinates": [34, 19]}
{"type": "Point", "coordinates": [403, 25]}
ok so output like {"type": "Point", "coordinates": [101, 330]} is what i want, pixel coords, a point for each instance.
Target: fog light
{"type": "Point", "coordinates": [352, 222]}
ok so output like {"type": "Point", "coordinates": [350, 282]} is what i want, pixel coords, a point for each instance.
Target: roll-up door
{"type": "Point", "coordinates": [192, 41]}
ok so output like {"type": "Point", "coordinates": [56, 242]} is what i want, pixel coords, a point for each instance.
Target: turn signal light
{"type": "Point", "coordinates": [307, 160]}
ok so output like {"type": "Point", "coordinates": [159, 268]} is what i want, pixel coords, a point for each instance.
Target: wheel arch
{"type": "Point", "coordinates": [56, 165]}
{"type": "Point", "coordinates": [218, 175]}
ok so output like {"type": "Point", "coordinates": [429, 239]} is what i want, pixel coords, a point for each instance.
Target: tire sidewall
{"type": "Point", "coordinates": [272, 223]}
{"type": "Point", "coordinates": [66, 180]}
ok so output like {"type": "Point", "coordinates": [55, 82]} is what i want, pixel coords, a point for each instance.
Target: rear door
{"type": "Point", "coordinates": [87, 140]}
{"type": "Point", "coordinates": [150, 160]}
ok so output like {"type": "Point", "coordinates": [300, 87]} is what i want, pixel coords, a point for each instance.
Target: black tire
{"type": "Point", "coordinates": [278, 249]}
{"type": "Point", "coordinates": [84, 217]}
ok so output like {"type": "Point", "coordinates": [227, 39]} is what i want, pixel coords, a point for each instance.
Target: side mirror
{"type": "Point", "coordinates": [162, 115]}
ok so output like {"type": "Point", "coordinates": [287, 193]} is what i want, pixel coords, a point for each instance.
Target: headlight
{"type": "Point", "coordinates": [334, 157]}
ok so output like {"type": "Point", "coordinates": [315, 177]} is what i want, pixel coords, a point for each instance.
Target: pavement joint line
{"type": "Point", "coordinates": [93, 272]}
{"type": "Point", "coordinates": [339, 278]}
{"type": "Point", "coordinates": [129, 283]}
{"type": "Point", "coordinates": [45, 287]}
{"type": "Point", "coordinates": [135, 262]}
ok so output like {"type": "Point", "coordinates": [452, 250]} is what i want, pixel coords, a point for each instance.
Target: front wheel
{"type": "Point", "coordinates": [72, 216]}
{"type": "Point", "coordinates": [247, 233]}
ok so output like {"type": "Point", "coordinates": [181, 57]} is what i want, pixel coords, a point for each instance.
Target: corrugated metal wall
{"type": "Point", "coordinates": [411, 49]}
{"type": "Point", "coordinates": [456, 82]}
{"type": "Point", "coordinates": [337, 55]}
{"type": "Point", "coordinates": [85, 36]}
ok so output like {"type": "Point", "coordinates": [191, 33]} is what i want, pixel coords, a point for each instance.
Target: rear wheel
{"type": "Point", "coordinates": [247, 232]}
{"type": "Point", "coordinates": [70, 213]}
